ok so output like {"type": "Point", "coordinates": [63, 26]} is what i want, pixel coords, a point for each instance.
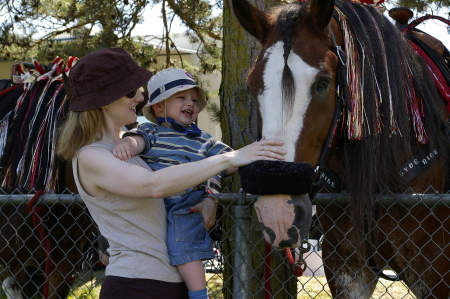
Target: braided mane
{"type": "Point", "coordinates": [289, 17]}
{"type": "Point", "coordinates": [288, 20]}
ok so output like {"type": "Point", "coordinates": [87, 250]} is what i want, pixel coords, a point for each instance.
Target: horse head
{"type": "Point", "coordinates": [295, 88]}
{"type": "Point", "coordinates": [356, 115]}
{"type": "Point", "coordinates": [351, 96]}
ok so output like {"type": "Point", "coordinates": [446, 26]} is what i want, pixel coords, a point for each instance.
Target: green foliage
{"type": "Point", "coordinates": [423, 5]}
{"type": "Point", "coordinates": [44, 29]}
{"type": "Point", "coordinates": [214, 112]}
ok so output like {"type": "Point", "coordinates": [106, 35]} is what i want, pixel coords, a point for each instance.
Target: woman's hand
{"type": "Point", "coordinates": [208, 208]}
{"type": "Point", "coordinates": [259, 150]}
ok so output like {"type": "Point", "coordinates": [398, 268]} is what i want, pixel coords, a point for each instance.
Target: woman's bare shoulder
{"type": "Point", "coordinates": [94, 156]}
{"type": "Point", "coordinates": [93, 150]}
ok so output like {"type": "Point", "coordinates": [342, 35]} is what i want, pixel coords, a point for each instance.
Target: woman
{"type": "Point", "coordinates": [125, 198]}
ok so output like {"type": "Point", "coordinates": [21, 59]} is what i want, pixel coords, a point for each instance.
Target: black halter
{"type": "Point", "coordinates": [322, 175]}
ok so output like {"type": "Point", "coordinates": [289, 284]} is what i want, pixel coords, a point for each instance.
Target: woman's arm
{"type": "Point", "coordinates": [100, 172]}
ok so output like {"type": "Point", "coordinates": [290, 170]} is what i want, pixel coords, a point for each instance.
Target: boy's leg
{"type": "Point", "coordinates": [193, 274]}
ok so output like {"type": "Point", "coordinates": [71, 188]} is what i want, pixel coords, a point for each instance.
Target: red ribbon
{"type": "Point", "coordinates": [298, 271]}
{"type": "Point", "coordinates": [8, 90]}
{"type": "Point", "coordinates": [38, 213]}
{"type": "Point", "coordinates": [267, 273]}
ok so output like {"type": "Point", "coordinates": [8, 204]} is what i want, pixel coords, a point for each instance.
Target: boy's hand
{"type": "Point", "coordinates": [208, 208]}
{"type": "Point", "coordinates": [123, 149]}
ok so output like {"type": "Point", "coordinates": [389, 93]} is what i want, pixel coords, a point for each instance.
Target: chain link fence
{"type": "Point", "coordinates": [55, 234]}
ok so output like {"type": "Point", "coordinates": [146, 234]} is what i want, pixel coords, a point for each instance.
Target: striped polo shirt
{"type": "Point", "coordinates": [166, 147]}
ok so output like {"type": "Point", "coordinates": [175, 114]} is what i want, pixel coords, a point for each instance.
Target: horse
{"type": "Point", "coordinates": [41, 247]}
{"type": "Point", "coordinates": [349, 95]}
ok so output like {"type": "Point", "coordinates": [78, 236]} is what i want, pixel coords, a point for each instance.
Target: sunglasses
{"type": "Point", "coordinates": [132, 94]}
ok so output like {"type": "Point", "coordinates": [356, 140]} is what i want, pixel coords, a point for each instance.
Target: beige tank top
{"type": "Point", "coordinates": [135, 229]}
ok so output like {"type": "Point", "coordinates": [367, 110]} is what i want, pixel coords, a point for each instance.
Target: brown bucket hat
{"type": "Point", "coordinates": [102, 77]}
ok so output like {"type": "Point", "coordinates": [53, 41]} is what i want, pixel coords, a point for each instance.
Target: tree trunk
{"type": "Point", "coordinates": [239, 124]}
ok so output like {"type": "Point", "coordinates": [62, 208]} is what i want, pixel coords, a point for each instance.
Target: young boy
{"type": "Point", "coordinates": [172, 138]}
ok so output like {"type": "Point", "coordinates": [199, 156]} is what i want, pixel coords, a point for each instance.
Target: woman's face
{"type": "Point", "coordinates": [123, 111]}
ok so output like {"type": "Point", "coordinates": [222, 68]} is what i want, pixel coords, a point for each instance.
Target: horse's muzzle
{"type": "Point", "coordinates": [286, 219]}
{"type": "Point", "coordinates": [284, 208]}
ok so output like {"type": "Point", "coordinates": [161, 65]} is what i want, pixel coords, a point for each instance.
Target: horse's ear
{"type": "Point", "coordinates": [251, 18]}
{"type": "Point", "coordinates": [322, 12]}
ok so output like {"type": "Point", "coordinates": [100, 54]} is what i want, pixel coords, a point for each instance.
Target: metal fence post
{"type": "Point", "coordinates": [242, 256]}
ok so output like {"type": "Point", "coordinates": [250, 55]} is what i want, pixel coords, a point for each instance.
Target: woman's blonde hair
{"type": "Point", "coordinates": [79, 129]}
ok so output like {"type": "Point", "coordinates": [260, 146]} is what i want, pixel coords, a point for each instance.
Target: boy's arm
{"type": "Point", "coordinates": [128, 146]}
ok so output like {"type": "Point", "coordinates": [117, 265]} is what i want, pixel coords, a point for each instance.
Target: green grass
{"type": "Point", "coordinates": [88, 287]}
{"type": "Point", "coordinates": [316, 287]}
{"type": "Point", "coordinates": [85, 292]}
{"type": "Point", "coordinates": [215, 285]}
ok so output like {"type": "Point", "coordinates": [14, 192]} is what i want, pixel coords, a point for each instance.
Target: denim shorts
{"type": "Point", "coordinates": [187, 238]}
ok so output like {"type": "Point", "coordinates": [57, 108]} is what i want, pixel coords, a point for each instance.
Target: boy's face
{"type": "Point", "coordinates": [182, 107]}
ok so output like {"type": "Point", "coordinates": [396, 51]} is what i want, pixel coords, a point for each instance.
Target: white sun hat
{"type": "Point", "coordinates": [165, 84]}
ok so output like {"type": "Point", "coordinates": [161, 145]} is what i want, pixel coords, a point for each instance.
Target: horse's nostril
{"type": "Point", "coordinates": [300, 215]}
{"type": "Point", "coordinates": [302, 211]}
{"type": "Point", "coordinates": [270, 233]}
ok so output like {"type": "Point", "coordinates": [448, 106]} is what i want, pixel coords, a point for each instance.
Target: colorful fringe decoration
{"type": "Point", "coordinates": [355, 113]}
{"type": "Point", "coordinates": [28, 140]}
{"type": "Point", "coordinates": [4, 123]}
{"type": "Point", "coordinates": [416, 109]}
{"type": "Point", "coordinates": [359, 61]}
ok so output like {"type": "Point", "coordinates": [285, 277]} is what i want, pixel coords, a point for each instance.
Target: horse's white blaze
{"type": "Point", "coordinates": [270, 101]}
{"type": "Point", "coordinates": [11, 292]}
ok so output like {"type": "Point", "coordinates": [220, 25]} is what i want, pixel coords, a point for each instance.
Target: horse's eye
{"type": "Point", "coordinates": [322, 84]}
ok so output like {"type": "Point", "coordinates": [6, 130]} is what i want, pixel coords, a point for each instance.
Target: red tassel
{"type": "Point", "coordinates": [59, 62]}
{"type": "Point", "coordinates": [71, 62]}
{"type": "Point", "coordinates": [39, 68]}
